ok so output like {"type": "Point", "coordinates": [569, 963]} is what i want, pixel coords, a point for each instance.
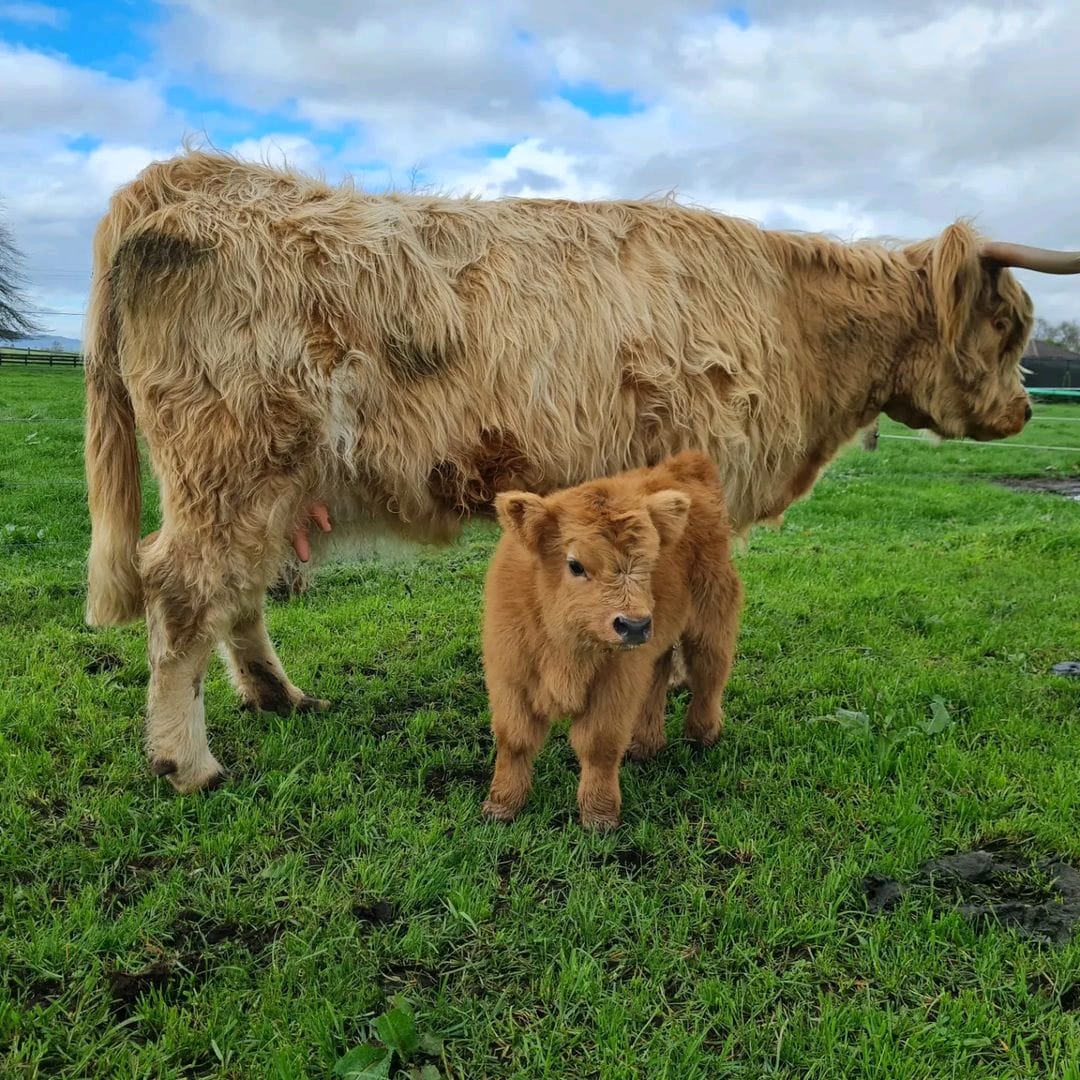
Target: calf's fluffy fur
{"type": "Point", "coordinates": [588, 592]}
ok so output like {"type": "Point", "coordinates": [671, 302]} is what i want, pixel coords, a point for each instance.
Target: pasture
{"type": "Point", "coordinates": [891, 702]}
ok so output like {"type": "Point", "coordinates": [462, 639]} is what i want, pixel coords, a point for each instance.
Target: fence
{"type": "Point", "coordinates": [40, 356]}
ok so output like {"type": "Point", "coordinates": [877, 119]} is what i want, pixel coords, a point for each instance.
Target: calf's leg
{"type": "Point", "coordinates": [600, 738]}
{"type": "Point", "coordinates": [709, 645]}
{"type": "Point", "coordinates": [649, 738]}
{"type": "Point", "coordinates": [519, 733]}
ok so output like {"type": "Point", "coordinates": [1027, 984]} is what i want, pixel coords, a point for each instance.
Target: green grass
{"type": "Point", "coordinates": [257, 931]}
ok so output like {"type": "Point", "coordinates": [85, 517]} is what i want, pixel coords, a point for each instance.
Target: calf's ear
{"type": "Point", "coordinates": [669, 510]}
{"type": "Point", "coordinates": [526, 515]}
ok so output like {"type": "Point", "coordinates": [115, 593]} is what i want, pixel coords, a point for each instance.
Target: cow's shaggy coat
{"type": "Point", "coordinates": [588, 593]}
{"type": "Point", "coordinates": [404, 358]}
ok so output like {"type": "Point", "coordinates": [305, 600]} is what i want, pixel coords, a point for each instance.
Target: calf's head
{"type": "Point", "coordinates": [962, 377]}
{"type": "Point", "coordinates": [594, 550]}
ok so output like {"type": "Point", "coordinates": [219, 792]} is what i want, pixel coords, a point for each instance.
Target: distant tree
{"type": "Point", "coordinates": [1066, 334]}
{"type": "Point", "coordinates": [14, 320]}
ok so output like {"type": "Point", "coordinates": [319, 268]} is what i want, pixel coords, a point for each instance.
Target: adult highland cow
{"type": "Point", "coordinates": [401, 359]}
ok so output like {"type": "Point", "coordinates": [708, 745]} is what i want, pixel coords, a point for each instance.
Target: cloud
{"type": "Point", "coordinates": [40, 93]}
{"type": "Point", "coordinates": [860, 117]}
{"type": "Point", "coordinates": [33, 15]}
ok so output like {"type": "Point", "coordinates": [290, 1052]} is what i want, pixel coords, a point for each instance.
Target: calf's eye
{"type": "Point", "coordinates": [575, 568]}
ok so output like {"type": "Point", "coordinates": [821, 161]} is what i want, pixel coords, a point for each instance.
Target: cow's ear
{"type": "Point", "coordinates": [669, 510]}
{"type": "Point", "coordinates": [526, 515]}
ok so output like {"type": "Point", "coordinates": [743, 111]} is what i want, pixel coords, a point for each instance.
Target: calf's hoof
{"type": "Point", "coordinates": [599, 823]}
{"type": "Point", "coordinates": [499, 811]}
{"type": "Point", "coordinates": [704, 732]}
{"type": "Point", "coordinates": [644, 751]}
{"type": "Point", "coordinates": [192, 778]}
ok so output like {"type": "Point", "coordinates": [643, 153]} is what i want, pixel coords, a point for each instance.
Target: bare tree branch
{"type": "Point", "coordinates": [15, 322]}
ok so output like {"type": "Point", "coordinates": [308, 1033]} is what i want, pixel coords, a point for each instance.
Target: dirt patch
{"type": "Point", "coordinates": [1040, 898]}
{"type": "Point", "coordinates": [40, 991]}
{"type": "Point", "coordinates": [125, 988]}
{"type": "Point", "coordinates": [395, 977]}
{"type": "Point", "coordinates": [631, 860]}
{"type": "Point", "coordinates": [192, 933]}
{"type": "Point", "coordinates": [439, 780]}
{"type": "Point", "coordinates": [132, 881]}
{"type": "Point", "coordinates": [102, 663]}
{"type": "Point", "coordinates": [381, 911]}
{"type": "Point", "coordinates": [556, 889]}
{"type": "Point", "coordinates": [505, 865]}
{"type": "Point", "coordinates": [1067, 486]}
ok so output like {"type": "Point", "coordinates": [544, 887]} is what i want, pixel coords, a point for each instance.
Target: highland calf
{"type": "Point", "coordinates": [400, 360]}
{"type": "Point", "coordinates": [588, 593]}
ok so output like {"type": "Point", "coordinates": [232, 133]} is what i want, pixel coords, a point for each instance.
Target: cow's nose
{"type": "Point", "coordinates": [1027, 412]}
{"type": "Point", "coordinates": [633, 631]}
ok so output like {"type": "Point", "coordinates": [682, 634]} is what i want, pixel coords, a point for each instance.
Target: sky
{"type": "Point", "coordinates": [865, 118]}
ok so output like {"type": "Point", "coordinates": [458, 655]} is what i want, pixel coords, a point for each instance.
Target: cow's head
{"type": "Point", "coordinates": [595, 548]}
{"type": "Point", "coordinates": [962, 376]}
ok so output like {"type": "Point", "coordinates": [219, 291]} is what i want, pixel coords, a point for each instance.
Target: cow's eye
{"type": "Point", "coordinates": [575, 568]}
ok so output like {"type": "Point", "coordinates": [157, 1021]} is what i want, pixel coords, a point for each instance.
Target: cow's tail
{"type": "Point", "coordinates": [114, 587]}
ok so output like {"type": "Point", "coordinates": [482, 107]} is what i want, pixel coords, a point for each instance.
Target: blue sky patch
{"type": "Point", "coordinates": [739, 16]}
{"type": "Point", "coordinates": [593, 99]}
{"type": "Point", "coordinates": [113, 37]}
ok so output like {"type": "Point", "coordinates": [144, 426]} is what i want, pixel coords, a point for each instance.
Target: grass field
{"type": "Point", "coordinates": [891, 702]}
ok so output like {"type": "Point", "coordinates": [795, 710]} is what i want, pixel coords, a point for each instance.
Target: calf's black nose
{"type": "Point", "coordinates": [633, 631]}
{"type": "Point", "coordinates": [1027, 412]}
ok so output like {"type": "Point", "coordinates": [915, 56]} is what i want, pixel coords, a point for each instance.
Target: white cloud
{"type": "Point", "coordinates": [860, 117]}
{"type": "Point", "coordinates": [41, 92]}
{"type": "Point", "coordinates": [33, 15]}
{"type": "Point", "coordinates": [280, 150]}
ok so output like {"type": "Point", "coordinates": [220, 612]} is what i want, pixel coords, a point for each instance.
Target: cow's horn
{"type": "Point", "coordinates": [1031, 258]}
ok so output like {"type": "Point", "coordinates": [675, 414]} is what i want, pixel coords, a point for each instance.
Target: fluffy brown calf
{"type": "Point", "coordinates": [402, 359]}
{"type": "Point", "coordinates": [588, 593]}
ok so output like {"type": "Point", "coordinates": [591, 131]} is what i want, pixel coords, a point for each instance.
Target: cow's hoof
{"type": "Point", "coordinates": [497, 811]}
{"type": "Point", "coordinates": [187, 781]}
{"type": "Point", "coordinates": [312, 704]}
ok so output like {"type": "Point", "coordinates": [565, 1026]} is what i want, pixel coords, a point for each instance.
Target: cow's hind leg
{"type": "Point", "coordinates": [182, 614]}
{"type": "Point", "coordinates": [257, 672]}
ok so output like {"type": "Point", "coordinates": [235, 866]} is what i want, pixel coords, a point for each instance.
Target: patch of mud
{"type": "Point", "coordinates": [633, 861]}
{"type": "Point", "coordinates": [505, 865]}
{"type": "Point", "coordinates": [440, 780]}
{"type": "Point", "coordinates": [125, 988]}
{"type": "Point", "coordinates": [1067, 486]}
{"type": "Point", "coordinates": [102, 663]}
{"type": "Point", "coordinates": [397, 977]}
{"type": "Point", "coordinates": [381, 911]}
{"type": "Point", "coordinates": [40, 991]}
{"type": "Point", "coordinates": [194, 943]}
{"type": "Point", "coordinates": [130, 883]}
{"type": "Point", "coordinates": [193, 933]}
{"type": "Point", "coordinates": [1040, 899]}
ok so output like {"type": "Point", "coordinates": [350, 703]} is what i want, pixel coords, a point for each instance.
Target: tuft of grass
{"type": "Point", "coordinates": [892, 702]}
